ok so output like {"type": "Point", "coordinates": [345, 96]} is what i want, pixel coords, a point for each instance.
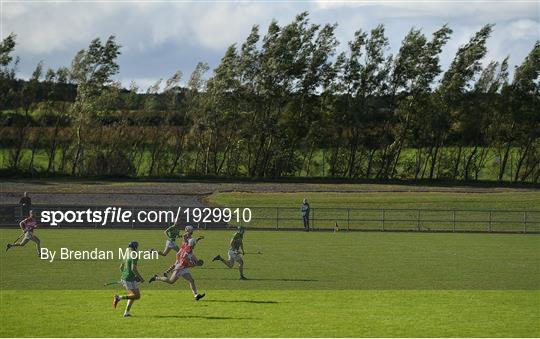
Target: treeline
{"type": "Point", "coordinates": [283, 103]}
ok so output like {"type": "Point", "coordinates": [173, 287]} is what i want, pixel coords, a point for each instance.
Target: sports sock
{"type": "Point", "coordinates": [170, 269]}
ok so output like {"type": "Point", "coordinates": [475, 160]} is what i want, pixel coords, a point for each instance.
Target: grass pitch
{"type": "Point", "coordinates": [446, 211]}
{"type": "Point", "coordinates": [275, 314]}
{"type": "Point", "coordinates": [390, 199]}
{"type": "Point", "coordinates": [302, 284]}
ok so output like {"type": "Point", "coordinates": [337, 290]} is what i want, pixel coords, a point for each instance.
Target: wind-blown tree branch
{"type": "Point", "coordinates": [450, 108]}
{"type": "Point", "coordinates": [195, 105]}
{"type": "Point", "coordinates": [175, 121]}
{"type": "Point", "coordinates": [524, 105]}
{"type": "Point", "coordinates": [249, 65]}
{"type": "Point", "coordinates": [57, 112]}
{"type": "Point", "coordinates": [308, 113]}
{"type": "Point", "coordinates": [8, 66]}
{"type": "Point", "coordinates": [364, 76]}
{"type": "Point", "coordinates": [28, 97]}
{"type": "Point", "coordinates": [283, 61]}
{"type": "Point", "coordinates": [414, 71]}
{"type": "Point", "coordinates": [8, 96]}
{"type": "Point", "coordinates": [478, 128]}
{"type": "Point", "coordinates": [222, 116]}
{"type": "Point", "coordinates": [91, 70]}
{"type": "Point", "coordinates": [346, 88]}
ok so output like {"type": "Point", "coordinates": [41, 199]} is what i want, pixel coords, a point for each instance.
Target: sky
{"type": "Point", "coordinates": [160, 37]}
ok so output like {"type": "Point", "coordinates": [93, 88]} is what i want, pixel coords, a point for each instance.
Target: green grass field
{"type": "Point", "coordinates": [423, 200]}
{"type": "Point", "coordinates": [364, 210]}
{"type": "Point", "coordinates": [316, 284]}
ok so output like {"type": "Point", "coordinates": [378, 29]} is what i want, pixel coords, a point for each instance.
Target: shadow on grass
{"type": "Point", "coordinates": [269, 279]}
{"type": "Point", "coordinates": [243, 301]}
{"type": "Point", "coordinates": [199, 317]}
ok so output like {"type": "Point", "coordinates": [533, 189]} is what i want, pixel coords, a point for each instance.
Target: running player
{"type": "Point", "coordinates": [130, 278]}
{"type": "Point", "coordinates": [188, 234]}
{"type": "Point", "coordinates": [185, 239]}
{"type": "Point", "coordinates": [185, 258]}
{"type": "Point", "coordinates": [27, 226]}
{"type": "Point", "coordinates": [237, 244]}
{"type": "Point", "coordinates": [172, 232]}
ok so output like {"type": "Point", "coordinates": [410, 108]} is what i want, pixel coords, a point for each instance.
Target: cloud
{"type": "Point", "coordinates": [479, 10]}
{"type": "Point", "coordinates": [524, 28]}
{"type": "Point", "coordinates": [43, 28]}
{"type": "Point", "coordinates": [160, 37]}
{"type": "Point", "coordinates": [46, 27]}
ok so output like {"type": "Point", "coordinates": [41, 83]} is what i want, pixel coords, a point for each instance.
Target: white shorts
{"type": "Point", "coordinates": [130, 285]}
{"type": "Point", "coordinates": [172, 244]}
{"type": "Point", "coordinates": [178, 271]}
{"type": "Point", "coordinates": [234, 256]}
{"type": "Point", "coordinates": [28, 235]}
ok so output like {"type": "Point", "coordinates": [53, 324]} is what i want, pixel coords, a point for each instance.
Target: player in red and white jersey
{"type": "Point", "coordinates": [185, 239]}
{"type": "Point", "coordinates": [27, 226]}
{"type": "Point", "coordinates": [187, 234]}
{"type": "Point", "coordinates": [185, 258]}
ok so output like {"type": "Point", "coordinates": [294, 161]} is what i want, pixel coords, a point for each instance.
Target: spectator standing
{"type": "Point", "coordinates": [305, 214]}
{"type": "Point", "coordinates": [26, 205]}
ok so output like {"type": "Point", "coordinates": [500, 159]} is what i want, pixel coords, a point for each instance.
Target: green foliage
{"type": "Point", "coordinates": [279, 99]}
{"type": "Point", "coordinates": [110, 164]}
{"type": "Point", "coordinates": [7, 46]}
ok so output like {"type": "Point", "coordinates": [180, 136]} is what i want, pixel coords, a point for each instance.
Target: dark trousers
{"type": "Point", "coordinates": [306, 222]}
{"type": "Point", "coordinates": [25, 210]}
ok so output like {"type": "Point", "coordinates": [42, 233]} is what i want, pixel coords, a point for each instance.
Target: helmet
{"type": "Point", "coordinates": [189, 228]}
{"type": "Point", "coordinates": [133, 245]}
{"type": "Point", "coordinates": [241, 229]}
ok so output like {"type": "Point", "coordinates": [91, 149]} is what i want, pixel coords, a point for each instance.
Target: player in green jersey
{"type": "Point", "coordinates": [172, 232]}
{"type": "Point", "coordinates": [237, 245]}
{"type": "Point", "coordinates": [130, 278]}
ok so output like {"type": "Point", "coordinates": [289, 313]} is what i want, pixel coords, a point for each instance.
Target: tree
{"type": "Point", "coordinates": [8, 65]}
{"type": "Point", "coordinates": [92, 70]}
{"type": "Point", "coordinates": [364, 78]}
{"type": "Point", "coordinates": [451, 96]}
{"type": "Point", "coordinates": [524, 105]}
{"type": "Point", "coordinates": [415, 69]}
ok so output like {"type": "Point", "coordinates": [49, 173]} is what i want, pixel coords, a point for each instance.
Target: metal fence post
{"type": "Point", "coordinates": [453, 220]}
{"type": "Point", "coordinates": [490, 218]}
{"type": "Point", "coordinates": [418, 220]}
{"type": "Point", "coordinates": [277, 218]}
{"type": "Point", "coordinates": [525, 222]}
{"type": "Point", "coordinates": [382, 220]}
{"type": "Point", "coordinates": [313, 220]}
{"type": "Point", "coordinates": [348, 218]}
